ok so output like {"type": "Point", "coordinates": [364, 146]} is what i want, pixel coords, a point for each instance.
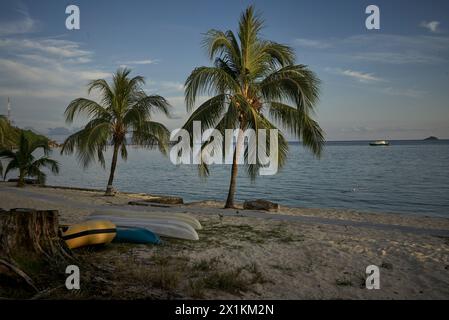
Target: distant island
{"type": "Point", "coordinates": [431, 138]}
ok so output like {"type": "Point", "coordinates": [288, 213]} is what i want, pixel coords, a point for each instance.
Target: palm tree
{"type": "Point", "coordinates": [250, 77]}
{"type": "Point", "coordinates": [23, 160]}
{"type": "Point", "coordinates": [124, 109]}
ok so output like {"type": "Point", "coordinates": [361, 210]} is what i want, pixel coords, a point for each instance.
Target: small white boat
{"type": "Point", "coordinates": [379, 143]}
{"type": "Point", "coordinates": [162, 227]}
{"type": "Point", "coordinates": [176, 216]}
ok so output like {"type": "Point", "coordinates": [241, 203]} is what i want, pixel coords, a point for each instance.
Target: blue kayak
{"type": "Point", "coordinates": [136, 235]}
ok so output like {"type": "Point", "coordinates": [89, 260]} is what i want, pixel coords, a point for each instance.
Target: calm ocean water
{"type": "Point", "coordinates": [406, 177]}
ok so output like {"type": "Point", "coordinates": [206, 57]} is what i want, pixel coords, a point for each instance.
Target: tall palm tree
{"type": "Point", "coordinates": [250, 79]}
{"type": "Point", "coordinates": [125, 109]}
{"type": "Point", "coordinates": [23, 159]}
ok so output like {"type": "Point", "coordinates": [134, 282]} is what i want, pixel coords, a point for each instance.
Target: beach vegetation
{"type": "Point", "coordinates": [23, 159]}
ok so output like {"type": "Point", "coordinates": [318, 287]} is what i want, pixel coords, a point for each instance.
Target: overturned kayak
{"type": "Point", "coordinates": [193, 222]}
{"type": "Point", "coordinates": [88, 233]}
{"type": "Point", "coordinates": [161, 227]}
{"type": "Point", "coordinates": [136, 235]}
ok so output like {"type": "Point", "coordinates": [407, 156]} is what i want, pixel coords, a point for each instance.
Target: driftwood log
{"type": "Point", "coordinates": [29, 236]}
{"type": "Point", "coordinates": [261, 204]}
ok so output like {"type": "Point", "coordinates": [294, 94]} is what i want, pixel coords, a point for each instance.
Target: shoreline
{"type": "Point", "coordinates": [220, 203]}
{"type": "Point", "coordinates": [315, 254]}
{"type": "Point", "coordinates": [394, 218]}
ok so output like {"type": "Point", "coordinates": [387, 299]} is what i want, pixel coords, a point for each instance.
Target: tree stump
{"type": "Point", "coordinates": [28, 237]}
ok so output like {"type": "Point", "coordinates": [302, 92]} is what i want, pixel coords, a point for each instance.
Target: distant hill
{"type": "Point", "coordinates": [431, 138]}
{"type": "Point", "coordinates": [10, 136]}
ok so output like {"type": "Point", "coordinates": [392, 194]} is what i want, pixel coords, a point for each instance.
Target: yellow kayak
{"type": "Point", "coordinates": [89, 233]}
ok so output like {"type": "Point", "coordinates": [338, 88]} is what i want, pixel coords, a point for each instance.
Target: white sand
{"type": "Point", "coordinates": [297, 260]}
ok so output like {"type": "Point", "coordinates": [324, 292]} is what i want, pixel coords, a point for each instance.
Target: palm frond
{"type": "Point", "coordinates": [250, 25]}
{"type": "Point", "coordinates": [89, 142]}
{"type": "Point", "coordinates": [222, 44]}
{"type": "Point", "coordinates": [294, 83]}
{"type": "Point", "coordinates": [12, 165]}
{"type": "Point", "coordinates": [210, 81]}
{"type": "Point", "coordinates": [107, 95]}
{"type": "Point", "coordinates": [152, 134]}
{"type": "Point", "coordinates": [88, 107]}
{"type": "Point", "coordinates": [51, 164]}
{"type": "Point", "coordinates": [209, 113]}
{"type": "Point", "coordinates": [144, 107]}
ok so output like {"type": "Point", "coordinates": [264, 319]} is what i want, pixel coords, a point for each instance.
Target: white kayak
{"type": "Point", "coordinates": [176, 216]}
{"type": "Point", "coordinates": [164, 228]}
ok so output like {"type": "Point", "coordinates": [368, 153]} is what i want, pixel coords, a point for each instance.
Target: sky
{"type": "Point", "coordinates": [390, 83]}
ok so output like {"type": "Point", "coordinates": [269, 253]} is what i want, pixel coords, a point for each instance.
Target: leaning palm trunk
{"type": "Point", "coordinates": [232, 185]}
{"type": "Point", "coordinates": [109, 189]}
{"type": "Point", "coordinates": [234, 170]}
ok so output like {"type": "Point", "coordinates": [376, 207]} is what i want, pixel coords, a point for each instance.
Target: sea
{"type": "Point", "coordinates": [410, 177]}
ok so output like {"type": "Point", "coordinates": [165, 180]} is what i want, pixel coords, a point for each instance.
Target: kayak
{"type": "Point", "coordinates": [164, 228]}
{"type": "Point", "coordinates": [151, 215]}
{"type": "Point", "coordinates": [88, 233]}
{"type": "Point", "coordinates": [136, 235]}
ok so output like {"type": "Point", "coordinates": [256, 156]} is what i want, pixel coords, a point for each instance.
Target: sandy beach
{"type": "Point", "coordinates": [295, 253]}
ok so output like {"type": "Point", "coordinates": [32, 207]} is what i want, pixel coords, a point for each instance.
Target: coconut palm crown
{"type": "Point", "coordinates": [253, 83]}
{"type": "Point", "coordinates": [125, 110]}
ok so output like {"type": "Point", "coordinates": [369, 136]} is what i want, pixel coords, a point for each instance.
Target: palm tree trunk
{"type": "Point", "coordinates": [109, 191]}
{"type": "Point", "coordinates": [234, 170]}
{"type": "Point", "coordinates": [21, 181]}
{"type": "Point", "coordinates": [232, 184]}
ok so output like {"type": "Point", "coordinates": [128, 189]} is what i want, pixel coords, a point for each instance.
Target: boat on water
{"type": "Point", "coordinates": [379, 143]}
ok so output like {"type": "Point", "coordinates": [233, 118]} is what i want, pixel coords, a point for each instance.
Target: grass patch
{"type": "Point", "coordinates": [251, 234]}
{"type": "Point", "coordinates": [205, 265]}
{"type": "Point", "coordinates": [196, 289]}
{"type": "Point", "coordinates": [228, 281]}
{"type": "Point", "coordinates": [343, 282]}
{"type": "Point", "coordinates": [231, 281]}
{"type": "Point", "coordinates": [257, 275]}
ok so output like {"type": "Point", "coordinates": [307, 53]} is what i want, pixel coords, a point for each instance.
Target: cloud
{"type": "Point", "coordinates": [124, 64]}
{"type": "Point", "coordinates": [383, 48]}
{"type": "Point", "coordinates": [309, 43]}
{"type": "Point", "coordinates": [172, 86]}
{"type": "Point", "coordinates": [398, 58]}
{"type": "Point", "coordinates": [164, 87]}
{"type": "Point", "coordinates": [362, 77]}
{"type": "Point", "coordinates": [42, 76]}
{"type": "Point", "coordinates": [25, 24]}
{"type": "Point", "coordinates": [357, 75]}
{"type": "Point", "coordinates": [409, 93]}
{"type": "Point", "coordinates": [432, 26]}
{"type": "Point", "coordinates": [56, 48]}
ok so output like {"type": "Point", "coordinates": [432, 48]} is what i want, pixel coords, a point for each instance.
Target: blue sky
{"type": "Point", "coordinates": [390, 83]}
